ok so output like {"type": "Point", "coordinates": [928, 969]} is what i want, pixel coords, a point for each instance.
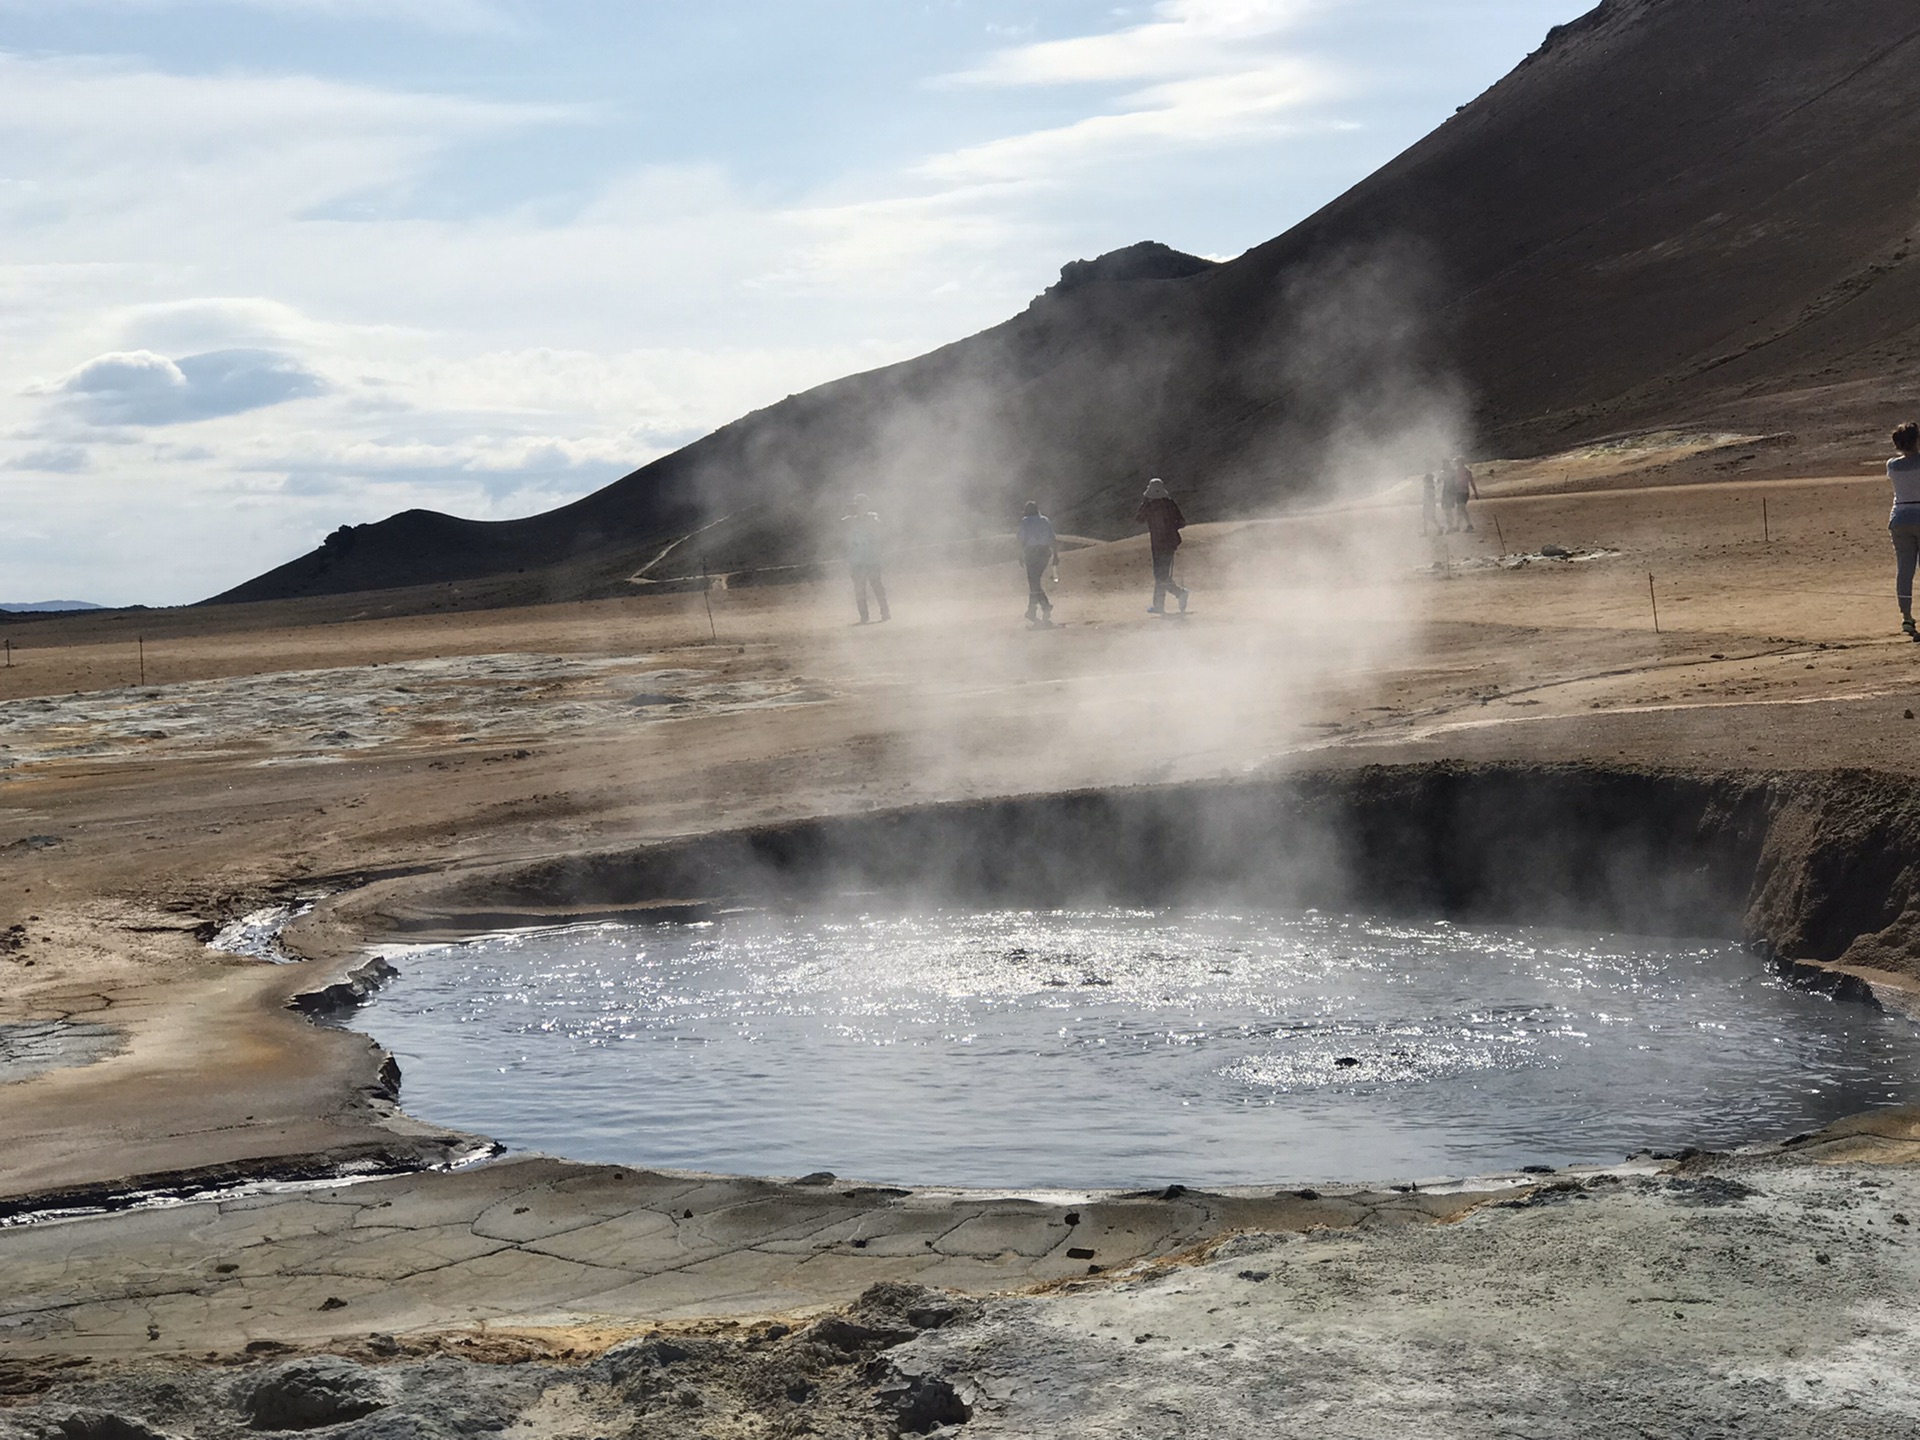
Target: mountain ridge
{"type": "Point", "coordinates": [1672, 210]}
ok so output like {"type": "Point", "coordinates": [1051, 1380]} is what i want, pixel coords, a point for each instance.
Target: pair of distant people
{"type": "Point", "coordinates": [1039, 550]}
{"type": "Point", "coordinates": [1444, 493]}
{"type": "Point", "coordinates": [1039, 547]}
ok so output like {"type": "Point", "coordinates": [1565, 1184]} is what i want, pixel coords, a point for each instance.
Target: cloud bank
{"type": "Point", "coordinates": [139, 387]}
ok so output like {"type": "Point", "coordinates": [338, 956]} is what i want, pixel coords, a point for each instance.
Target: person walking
{"type": "Point", "coordinates": [1904, 522]}
{"type": "Point", "coordinates": [1039, 547]}
{"type": "Point", "coordinates": [866, 550]}
{"type": "Point", "coordinates": [1460, 489]}
{"type": "Point", "coordinates": [1163, 520]}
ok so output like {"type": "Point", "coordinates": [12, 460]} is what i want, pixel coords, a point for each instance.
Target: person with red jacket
{"type": "Point", "coordinates": [1163, 520]}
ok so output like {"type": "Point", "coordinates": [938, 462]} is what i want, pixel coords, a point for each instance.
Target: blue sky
{"type": "Point", "coordinates": [271, 266]}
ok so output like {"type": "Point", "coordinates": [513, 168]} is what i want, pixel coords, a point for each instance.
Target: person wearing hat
{"type": "Point", "coordinates": [1039, 546]}
{"type": "Point", "coordinates": [865, 552]}
{"type": "Point", "coordinates": [1163, 520]}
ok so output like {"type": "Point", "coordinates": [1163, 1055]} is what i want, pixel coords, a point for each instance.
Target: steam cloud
{"type": "Point", "coordinates": [1348, 394]}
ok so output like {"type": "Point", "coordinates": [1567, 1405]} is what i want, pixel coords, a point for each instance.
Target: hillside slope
{"type": "Point", "coordinates": [1676, 211]}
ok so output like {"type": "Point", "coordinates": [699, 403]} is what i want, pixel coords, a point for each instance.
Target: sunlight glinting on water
{"type": "Point", "coordinates": [1120, 1046]}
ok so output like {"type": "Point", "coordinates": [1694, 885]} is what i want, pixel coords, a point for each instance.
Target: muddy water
{"type": "Point", "coordinates": [1121, 1047]}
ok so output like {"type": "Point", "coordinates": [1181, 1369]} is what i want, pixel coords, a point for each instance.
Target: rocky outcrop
{"type": "Point", "coordinates": [308, 1394]}
{"type": "Point", "coordinates": [1149, 260]}
{"type": "Point", "coordinates": [765, 1377]}
{"type": "Point", "coordinates": [348, 992]}
{"type": "Point", "coordinates": [1839, 880]}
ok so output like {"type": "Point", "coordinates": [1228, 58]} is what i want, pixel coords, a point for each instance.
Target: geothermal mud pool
{"type": "Point", "coordinates": [1121, 1047]}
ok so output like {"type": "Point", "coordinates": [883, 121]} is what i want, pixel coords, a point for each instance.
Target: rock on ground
{"type": "Point", "coordinates": [833, 1376]}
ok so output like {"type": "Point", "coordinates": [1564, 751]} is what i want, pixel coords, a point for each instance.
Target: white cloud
{"type": "Point", "coordinates": [470, 17]}
{"type": "Point", "coordinates": [214, 322]}
{"type": "Point", "coordinates": [1203, 72]}
{"type": "Point", "coordinates": [140, 387]}
{"type": "Point", "coordinates": [1178, 114]}
{"type": "Point", "coordinates": [1185, 37]}
{"type": "Point", "coordinates": [80, 98]}
{"type": "Point", "coordinates": [107, 144]}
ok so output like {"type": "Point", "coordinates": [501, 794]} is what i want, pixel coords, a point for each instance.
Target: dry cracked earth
{"type": "Point", "coordinates": [1727, 1298]}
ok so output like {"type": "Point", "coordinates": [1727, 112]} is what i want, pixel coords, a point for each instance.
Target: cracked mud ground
{"type": "Point", "coordinates": [544, 1242]}
{"type": "Point", "coordinates": [1735, 1297]}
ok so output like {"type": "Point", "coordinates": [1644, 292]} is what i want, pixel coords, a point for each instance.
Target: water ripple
{"type": "Point", "coordinates": [1121, 1046]}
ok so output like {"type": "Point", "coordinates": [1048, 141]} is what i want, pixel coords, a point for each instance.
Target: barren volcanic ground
{"type": "Point", "coordinates": [371, 764]}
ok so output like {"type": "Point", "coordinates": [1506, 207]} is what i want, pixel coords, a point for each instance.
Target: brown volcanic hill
{"type": "Point", "coordinates": [1675, 211]}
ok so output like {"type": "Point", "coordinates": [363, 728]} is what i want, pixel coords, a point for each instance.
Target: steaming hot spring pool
{"type": "Point", "coordinates": [1120, 1047]}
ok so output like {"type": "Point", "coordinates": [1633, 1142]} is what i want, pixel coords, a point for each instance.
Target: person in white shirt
{"type": "Point", "coordinates": [1039, 546]}
{"type": "Point", "coordinates": [1904, 523]}
{"type": "Point", "coordinates": [865, 553]}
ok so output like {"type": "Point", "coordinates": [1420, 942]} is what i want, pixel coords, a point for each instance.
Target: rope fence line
{"type": "Point", "coordinates": [1886, 594]}
{"type": "Point", "coordinates": [1775, 588]}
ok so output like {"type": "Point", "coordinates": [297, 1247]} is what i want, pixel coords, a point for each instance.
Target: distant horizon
{"type": "Point", "coordinates": [283, 265]}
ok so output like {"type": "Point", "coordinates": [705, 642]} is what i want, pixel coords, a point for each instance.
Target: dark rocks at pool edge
{"type": "Point", "coordinates": [921, 1403]}
{"type": "Point", "coordinates": [1709, 1191]}
{"type": "Point", "coordinates": [846, 1374]}
{"type": "Point", "coordinates": [348, 994]}
{"type": "Point", "coordinates": [94, 1425]}
{"type": "Point", "coordinates": [838, 1362]}
{"type": "Point", "coordinates": [1556, 1193]}
{"type": "Point", "coordinates": [308, 1394]}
